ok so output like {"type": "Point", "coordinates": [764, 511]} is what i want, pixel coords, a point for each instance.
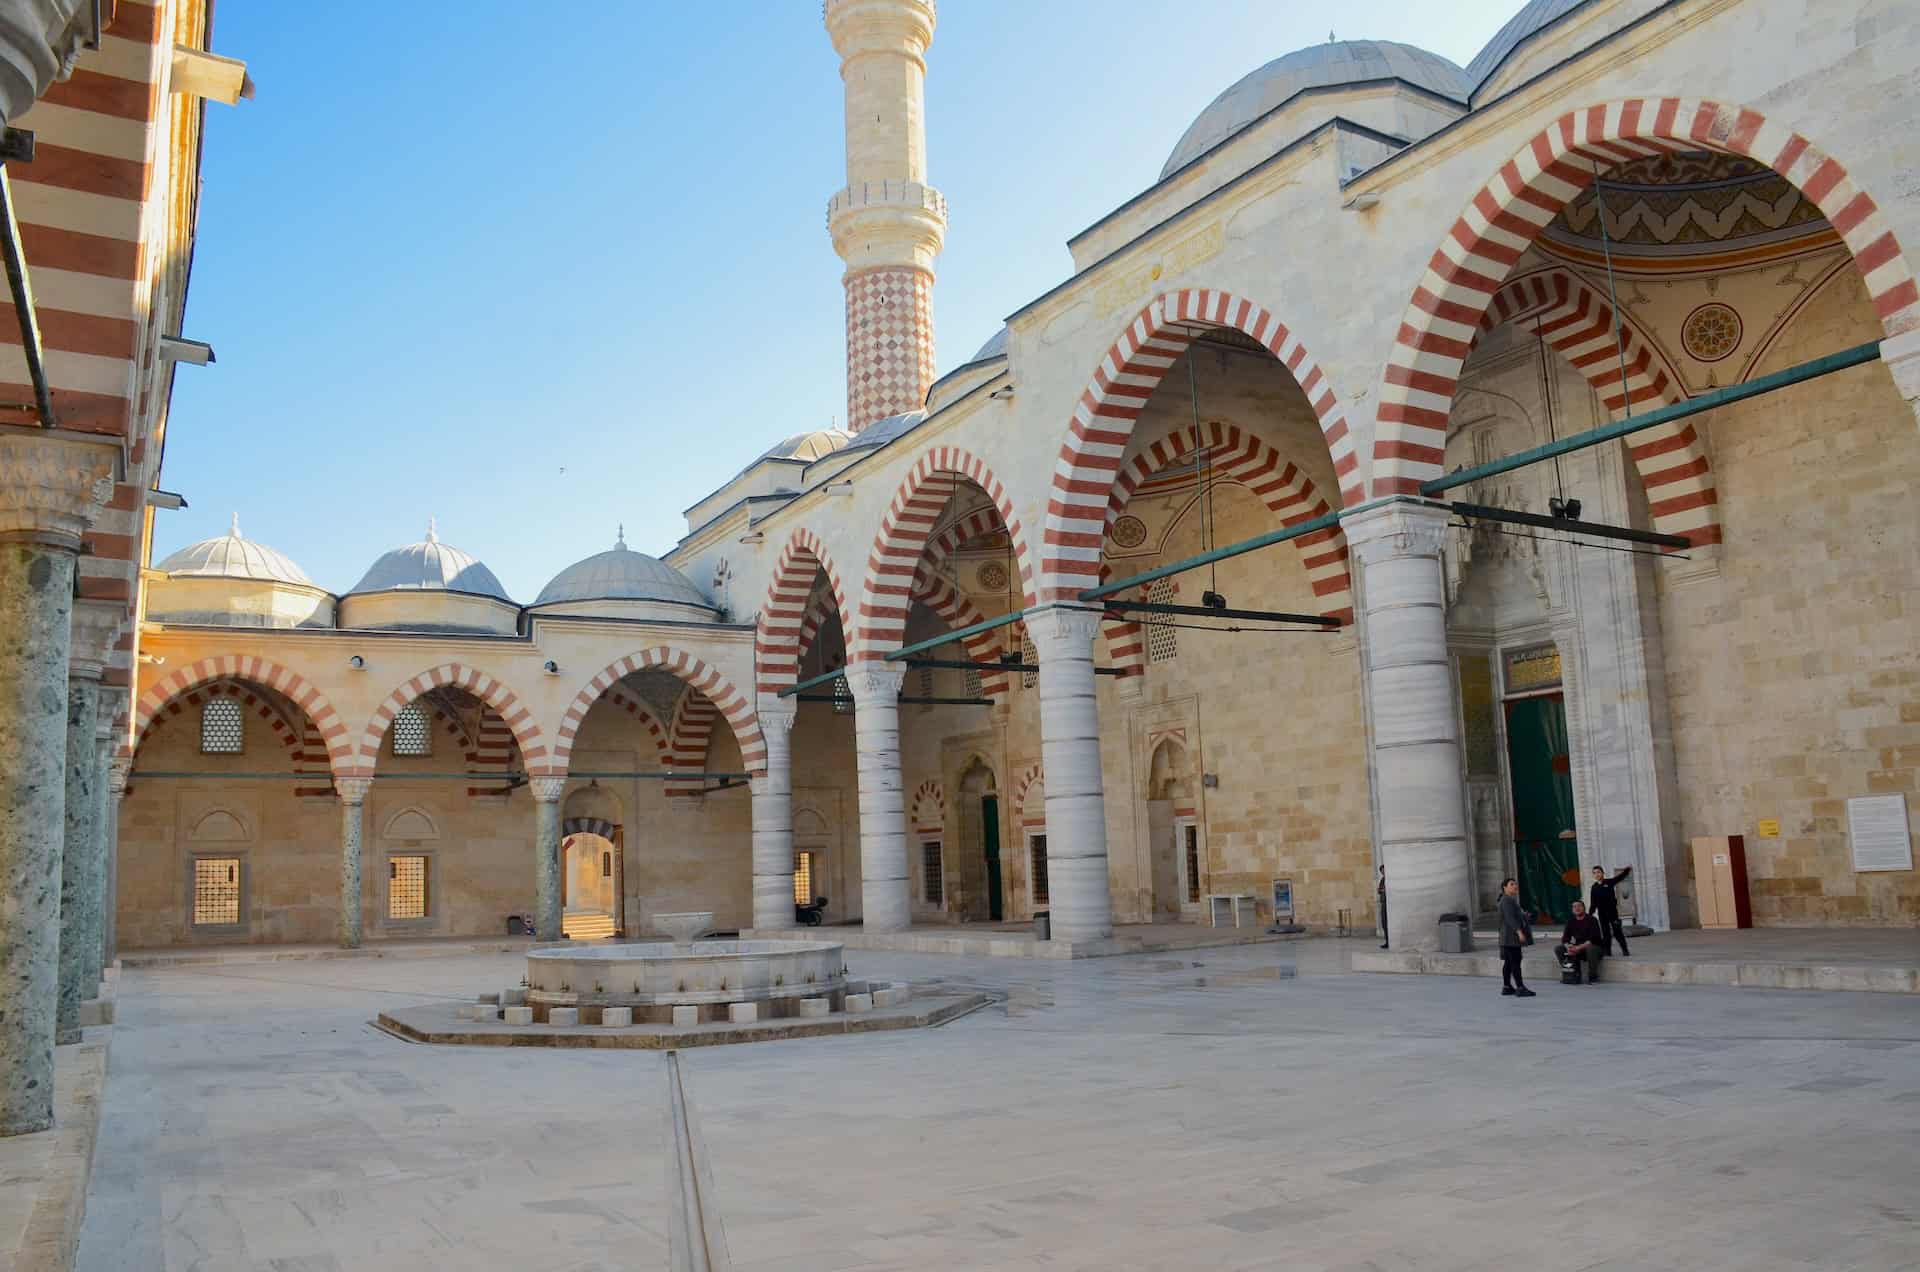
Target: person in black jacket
{"type": "Point", "coordinates": [1515, 932]}
{"type": "Point", "coordinates": [1606, 908]}
{"type": "Point", "coordinates": [1579, 946]}
{"type": "Point", "coordinates": [1383, 907]}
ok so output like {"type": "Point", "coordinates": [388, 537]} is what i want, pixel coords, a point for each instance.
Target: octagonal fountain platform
{"type": "Point", "coordinates": [654, 977]}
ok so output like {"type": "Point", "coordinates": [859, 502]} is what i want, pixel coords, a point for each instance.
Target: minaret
{"type": "Point", "coordinates": [887, 224]}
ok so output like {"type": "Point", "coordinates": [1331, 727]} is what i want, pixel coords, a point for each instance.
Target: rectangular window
{"type": "Point", "coordinates": [842, 697]}
{"type": "Point", "coordinates": [1030, 655]}
{"type": "Point", "coordinates": [412, 734]}
{"type": "Point", "coordinates": [932, 889]}
{"type": "Point", "coordinates": [220, 732]}
{"type": "Point", "coordinates": [803, 878]}
{"type": "Point", "coordinates": [1190, 846]}
{"type": "Point", "coordinates": [1161, 643]}
{"type": "Point", "coordinates": [1037, 856]}
{"type": "Point", "coordinates": [216, 891]}
{"type": "Point", "coordinates": [406, 887]}
{"type": "Point", "coordinates": [976, 684]}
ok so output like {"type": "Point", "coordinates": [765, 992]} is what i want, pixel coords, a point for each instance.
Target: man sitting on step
{"type": "Point", "coordinates": [1580, 945]}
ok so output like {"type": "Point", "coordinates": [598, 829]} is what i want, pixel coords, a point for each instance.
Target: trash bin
{"type": "Point", "coordinates": [1456, 934]}
{"type": "Point", "coordinates": [1043, 926]}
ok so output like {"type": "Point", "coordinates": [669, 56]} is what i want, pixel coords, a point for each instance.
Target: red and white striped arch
{"type": "Point", "coordinates": [733, 704]}
{"type": "Point", "coordinates": [782, 635]}
{"type": "Point", "coordinates": [903, 539]}
{"type": "Point", "coordinates": [975, 525]}
{"type": "Point", "coordinates": [1239, 457]}
{"type": "Point", "coordinates": [694, 716]}
{"type": "Point", "coordinates": [1030, 797]}
{"type": "Point", "coordinates": [1578, 322]}
{"type": "Point", "coordinates": [246, 668]}
{"type": "Point", "coordinates": [1095, 449]}
{"type": "Point", "coordinates": [1506, 215]}
{"type": "Point", "coordinates": [526, 730]}
{"type": "Point", "coordinates": [928, 814]}
{"type": "Point", "coordinates": [957, 609]}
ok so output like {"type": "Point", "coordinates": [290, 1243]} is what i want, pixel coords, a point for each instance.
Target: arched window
{"type": "Point", "coordinates": [412, 734]}
{"type": "Point", "coordinates": [220, 727]}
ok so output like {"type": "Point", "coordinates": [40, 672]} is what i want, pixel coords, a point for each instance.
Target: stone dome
{"type": "Point", "coordinates": [430, 566]}
{"type": "Point", "coordinates": [621, 574]}
{"type": "Point", "coordinates": [994, 348]}
{"type": "Point", "coordinates": [1331, 65]}
{"type": "Point", "coordinates": [1534, 15]}
{"type": "Point", "coordinates": [232, 557]}
{"type": "Point", "coordinates": [809, 446]}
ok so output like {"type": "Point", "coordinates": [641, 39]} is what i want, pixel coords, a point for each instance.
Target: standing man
{"type": "Point", "coordinates": [1579, 948]}
{"type": "Point", "coordinates": [1515, 932]}
{"type": "Point", "coordinates": [1606, 908]}
{"type": "Point", "coordinates": [1382, 890]}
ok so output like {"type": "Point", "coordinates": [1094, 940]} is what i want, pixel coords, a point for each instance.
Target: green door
{"type": "Point", "coordinates": [1540, 764]}
{"type": "Point", "coordinates": [990, 832]}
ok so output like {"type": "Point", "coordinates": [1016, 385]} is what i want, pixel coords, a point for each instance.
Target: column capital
{"type": "Point", "coordinates": [96, 626]}
{"type": "Point", "coordinates": [547, 790]}
{"type": "Point", "coordinates": [776, 715]}
{"type": "Point", "coordinates": [900, 27]}
{"type": "Point", "coordinates": [353, 790]}
{"type": "Point", "coordinates": [1402, 528]}
{"type": "Point", "coordinates": [113, 699]}
{"type": "Point", "coordinates": [55, 488]}
{"type": "Point", "coordinates": [876, 682]}
{"type": "Point", "coordinates": [1064, 627]}
{"type": "Point", "coordinates": [117, 773]}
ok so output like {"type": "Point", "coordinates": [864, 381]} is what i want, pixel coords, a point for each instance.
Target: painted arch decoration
{"type": "Point", "coordinates": [512, 712]}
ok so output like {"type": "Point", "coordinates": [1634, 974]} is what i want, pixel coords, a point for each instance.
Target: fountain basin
{"type": "Point", "coordinates": [655, 977]}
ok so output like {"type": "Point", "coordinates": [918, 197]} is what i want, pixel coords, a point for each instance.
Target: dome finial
{"type": "Point", "coordinates": [620, 538]}
{"type": "Point", "coordinates": [432, 537]}
{"type": "Point", "coordinates": [233, 531]}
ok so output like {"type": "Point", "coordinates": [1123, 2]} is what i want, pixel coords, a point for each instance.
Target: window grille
{"type": "Point", "coordinates": [412, 734]}
{"type": "Point", "coordinates": [976, 685]}
{"type": "Point", "coordinates": [803, 878]}
{"type": "Point", "coordinates": [1029, 655]}
{"type": "Point", "coordinates": [1191, 834]}
{"type": "Point", "coordinates": [932, 890]}
{"type": "Point", "coordinates": [406, 887]}
{"type": "Point", "coordinates": [606, 865]}
{"type": "Point", "coordinates": [220, 732]}
{"type": "Point", "coordinates": [926, 687]}
{"type": "Point", "coordinates": [1161, 643]}
{"type": "Point", "coordinates": [1037, 852]}
{"type": "Point", "coordinates": [216, 891]}
{"type": "Point", "coordinates": [842, 697]}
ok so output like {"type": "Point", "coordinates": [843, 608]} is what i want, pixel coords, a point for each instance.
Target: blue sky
{"type": "Point", "coordinates": [537, 278]}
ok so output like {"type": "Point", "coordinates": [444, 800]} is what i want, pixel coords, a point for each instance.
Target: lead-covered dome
{"type": "Point", "coordinates": [809, 446]}
{"type": "Point", "coordinates": [1334, 64]}
{"type": "Point", "coordinates": [1533, 16]}
{"type": "Point", "coordinates": [429, 566]}
{"type": "Point", "coordinates": [621, 574]}
{"type": "Point", "coordinates": [232, 557]}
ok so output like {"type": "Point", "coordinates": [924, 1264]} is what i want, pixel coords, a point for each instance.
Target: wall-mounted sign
{"type": "Point", "coordinates": [1877, 827]}
{"type": "Point", "coordinates": [1769, 828]}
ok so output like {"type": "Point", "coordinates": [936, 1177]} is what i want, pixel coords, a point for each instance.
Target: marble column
{"type": "Point", "coordinates": [1414, 762]}
{"type": "Point", "coordinates": [116, 797]}
{"type": "Point", "coordinates": [885, 893]}
{"type": "Point", "coordinates": [79, 920]}
{"type": "Point", "coordinates": [1079, 897]}
{"type": "Point", "coordinates": [49, 491]}
{"type": "Point", "coordinates": [1901, 353]}
{"type": "Point", "coordinates": [773, 819]}
{"type": "Point", "coordinates": [547, 917]}
{"type": "Point", "coordinates": [353, 800]}
{"type": "Point", "coordinates": [105, 807]}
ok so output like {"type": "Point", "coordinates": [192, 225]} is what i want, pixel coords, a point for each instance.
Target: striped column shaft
{"type": "Point", "coordinates": [773, 821]}
{"type": "Point", "coordinates": [884, 900]}
{"type": "Point", "coordinates": [1078, 894]}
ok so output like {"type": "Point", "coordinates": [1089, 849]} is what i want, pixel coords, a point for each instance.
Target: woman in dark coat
{"type": "Point", "coordinates": [1515, 933]}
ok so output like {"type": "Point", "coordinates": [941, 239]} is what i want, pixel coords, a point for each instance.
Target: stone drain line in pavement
{"type": "Point", "coordinates": [698, 1239]}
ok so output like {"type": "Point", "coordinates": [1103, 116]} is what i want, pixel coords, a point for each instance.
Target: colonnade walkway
{"type": "Point", "coordinates": [1232, 1108]}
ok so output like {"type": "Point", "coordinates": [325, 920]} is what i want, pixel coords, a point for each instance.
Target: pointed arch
{"type": "Point", "coordinates": [903, 538]}
{"type": "Point", "coordinates": [1578, 323]}
{"type": "Point", "coordinates": [1102, 424]}
{"type": "Point", "coordinates": [516, 716]}
{"type": "Point", "coordinates": [1030, 796]}
{"type": "Point", "coordinates": [246, 667]}
{"type": "Point", "coordinates": [732, 704]}
{"type": "Point", "coordinates": [1549, 171]}
{"type": "Point", "coordinates": [928, 811]}
{"type": "Point", "coordinates": [587, 826]}
{"type": "Point", "coordinates": [782, 635]}
{"type": "Point", "coordinates": [692, 734]}
{"type": "Point", "coordinates": [957, 610]}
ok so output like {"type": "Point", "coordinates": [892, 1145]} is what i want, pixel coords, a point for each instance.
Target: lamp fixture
{"type": "Point", "coordinates": [839, 487]}
{"type": "Point", "coordinates": [551, 667]}
{"type": "Point", "coordinates": [1563, 509]}
{"type": "Point", "coordinates": [357, 663]}
{"type": "Point", "coordinates": [181, 349]}
{"type": "Point", "coordinates": [1361, 202]}
{"type": "Point", "coordinates": [1002, 393]}
{"type": "Point", "coordinates": [754, 536]}
{"type": "Point", "coordinates": [154, 660]}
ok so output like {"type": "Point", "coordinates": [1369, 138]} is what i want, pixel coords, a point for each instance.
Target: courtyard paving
{"type": "Point", "coordinates": [1250, 1107]}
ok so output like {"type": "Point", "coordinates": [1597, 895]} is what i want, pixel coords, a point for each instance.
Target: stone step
{"type": "Point", "coordinates": [587, 925]}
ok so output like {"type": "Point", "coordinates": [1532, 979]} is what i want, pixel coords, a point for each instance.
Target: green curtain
{"type": "Point", "coordinates": [1540, 762]}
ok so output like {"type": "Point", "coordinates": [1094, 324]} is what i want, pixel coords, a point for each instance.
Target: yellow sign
{"type": "Point", "coordinates": [1769, 828]}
